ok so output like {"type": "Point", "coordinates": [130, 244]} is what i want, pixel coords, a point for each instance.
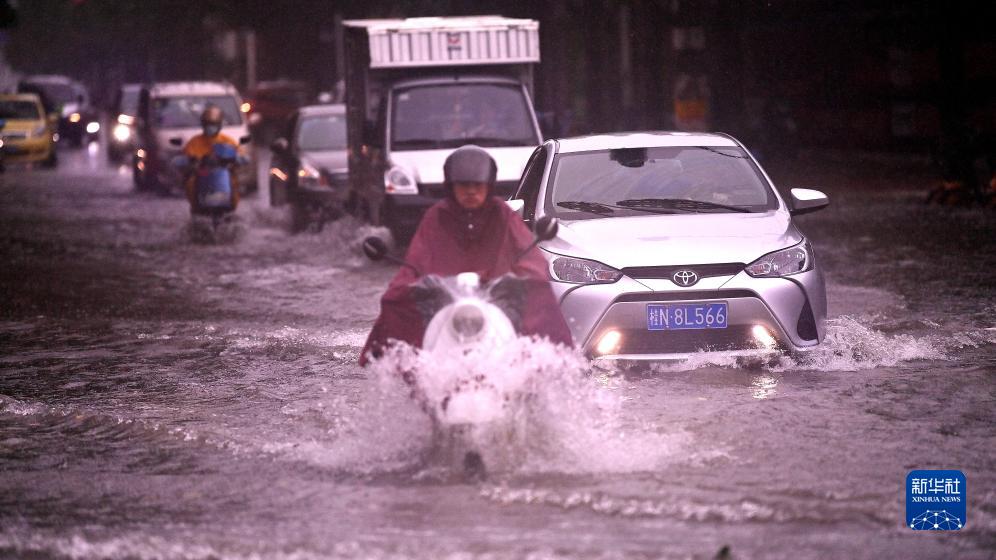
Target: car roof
{"type": "Point", "coordinates": [645, 139]}
{"type": "Point", "coordinates": [326, 109]}
{"type": "Point", "coordinates": [48, 78]}
{"type": "Point", "coordinates": [179, 89]}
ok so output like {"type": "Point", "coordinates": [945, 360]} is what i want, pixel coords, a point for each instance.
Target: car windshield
{"type": "Point", "coordinates": [451, 115]}
{"type": "Point", "coordinates": [129, 101]}
{"type": "Point", "coordinates": [185, 112]}
{"type": "Point", "coordinates": [666, 180]}
{"type": "Point", "coordinates": [322, 133]}
{"type": "Point", "coordinates": [19, 110]}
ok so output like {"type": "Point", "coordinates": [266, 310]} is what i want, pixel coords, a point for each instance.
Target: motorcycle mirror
{"type": "Point", "coordinates": [374, 248]}
{"type": "Point", "coordinates": [176, 141]}
{"type": "Point", "coordinates": [546, 228]}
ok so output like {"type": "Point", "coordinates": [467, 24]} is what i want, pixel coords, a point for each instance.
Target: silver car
{"type": "Point", "coordinates": [672, 244]}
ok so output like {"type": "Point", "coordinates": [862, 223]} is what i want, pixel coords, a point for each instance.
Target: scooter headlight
{"type": "Point", "coordinates": [399, 181]}
{"type": "Point", "coordinates": [785, 262]}
{"type": "Point", "coordinates": [467, 322]}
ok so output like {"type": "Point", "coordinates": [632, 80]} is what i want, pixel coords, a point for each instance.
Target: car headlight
{"type": "Point", "coordinates": [309, 176]}
{"type": "Point", "coordinates": [92, 127]}
{"type": "Point", "coordinates": [398, 180]}
{"type": "Point", "coordinates": [75, 117]}
{"type": "Point", "coordinates": [795, 259]}
{"type": "Point", "coordinates": [581, 271]}
{"type": "Point", "coordinates": [121, 132]}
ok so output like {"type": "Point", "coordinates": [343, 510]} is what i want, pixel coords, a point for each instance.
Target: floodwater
{"type": "Point", "coordinates": [166, 399]}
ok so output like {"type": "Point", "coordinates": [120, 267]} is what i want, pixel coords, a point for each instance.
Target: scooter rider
{"type": "Point", "coordinates": [470, 230]}
{"type": "Point", "coordinates": [201, 147]}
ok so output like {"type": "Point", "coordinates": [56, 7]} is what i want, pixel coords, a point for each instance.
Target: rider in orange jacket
{"type": "Point", "coordinates": [201, 146]}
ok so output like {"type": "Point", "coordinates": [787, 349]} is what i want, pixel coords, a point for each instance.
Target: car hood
{"type": "Point", "coordinates": [676, 239]}
{"type": "Point", "coordinates": [333, 161]}
{"type": "Point", "coordinates": [427, 165]}
{"type": "Point", "coordinates": [21, 125]}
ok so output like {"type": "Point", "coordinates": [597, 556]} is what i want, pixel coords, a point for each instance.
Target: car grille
{"type": "Point", "coordinates": [641, 341]}
{"type": "Point", "coordinates": [15, 135]}
{"type": "Point", "coordinates": [703, 270]}
{"type": "Point", "coordinates": [339, 180]}
{"type": "Point", "coordinates": [503, 189]}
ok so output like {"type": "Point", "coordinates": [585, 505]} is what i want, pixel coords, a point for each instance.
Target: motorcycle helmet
{"type": "Point", "coordinates": [211, 120]}
{"type": "Point", "coordinates": [470, 164]}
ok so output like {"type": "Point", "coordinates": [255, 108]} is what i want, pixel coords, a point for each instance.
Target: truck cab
{"type": "Point", "coordinates": [417, 89]}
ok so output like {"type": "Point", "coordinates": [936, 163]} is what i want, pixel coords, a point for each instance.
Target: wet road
{"type": "Point", "coordinates": [166, 399]}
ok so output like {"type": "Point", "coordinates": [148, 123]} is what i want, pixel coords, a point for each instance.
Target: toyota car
{"type": "Point", "coordinates": [672, 244]}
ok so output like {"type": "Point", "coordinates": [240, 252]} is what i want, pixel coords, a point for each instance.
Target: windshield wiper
{"type": "Point", "coordinates": [589, 207]}
{"type": "Point", "coordinates": [495, 141]}
{"type": "Point", "coordinates": [605, 209]}
{"type": "Point", "coordinates": [678, 204]}
{"type": "Point", "coordinates": [417, 143]}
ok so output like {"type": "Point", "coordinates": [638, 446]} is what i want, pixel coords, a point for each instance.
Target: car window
{"type": "Point", "coordinates": [19, 110]}
{"type": "Point", "coordinates": [322, 133]}
{"type": "Point", "coordinates": [639, 181]}
{"type": "Point", "coordinates": [185, 112]}
{"type": "Point", "coordinates": [530, 184]}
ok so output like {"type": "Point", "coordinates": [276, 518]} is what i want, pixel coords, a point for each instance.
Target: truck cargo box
{"type": "Point", "coordinates": [406, 43]}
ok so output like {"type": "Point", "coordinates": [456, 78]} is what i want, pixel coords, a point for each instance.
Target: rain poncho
{"type": "Point", "coordinates": [451, 240]}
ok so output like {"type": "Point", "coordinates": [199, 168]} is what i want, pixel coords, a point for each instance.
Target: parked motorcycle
{"type": "Point", "coordinates": [467, 319]}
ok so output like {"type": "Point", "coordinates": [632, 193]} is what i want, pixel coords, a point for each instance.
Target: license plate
{"type": "Point", "coordinates": [683, 316]}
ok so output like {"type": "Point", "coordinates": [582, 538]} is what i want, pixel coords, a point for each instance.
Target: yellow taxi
{"type": "Point", "coordinates": [26, 134]}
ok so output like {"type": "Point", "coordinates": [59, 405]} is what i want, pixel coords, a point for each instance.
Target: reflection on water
{"type": "Point", "coordinates": [763, 386]}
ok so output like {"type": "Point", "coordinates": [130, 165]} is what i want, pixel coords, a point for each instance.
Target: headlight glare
{"type": "Point", "coordinates": [582, 271]}
{"type": "Point", "coordinates": [783, 263]}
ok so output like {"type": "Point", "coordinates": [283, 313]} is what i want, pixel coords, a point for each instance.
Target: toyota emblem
{"type": "Point", "coordinates": [685, 277]}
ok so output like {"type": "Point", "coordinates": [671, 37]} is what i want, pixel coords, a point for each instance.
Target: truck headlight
{"type": "Point", "coordinates": [785, 262]}
{"type": "Point", "coordinates": [397, 180]}
{"type": "Point", "coordinates": [581, 271]}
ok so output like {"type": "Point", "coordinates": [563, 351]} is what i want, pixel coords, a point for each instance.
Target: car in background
{"type": "Point", "coordinates": [310, 166]}
{"type": "Point", "coordinates": [672, 244]}
{"type": "Point", "coordinates": [169, 115]}
{"type": "Point", "coordinates": [121, 140]}
{"type": "Point", "coordinates": [271, 104]}
{"type": "Point", "coordinates": [78, 120]}
{"type": "Point", "coordinates": [27, 135]}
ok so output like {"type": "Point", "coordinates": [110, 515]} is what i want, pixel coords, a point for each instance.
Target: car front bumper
{"type": "Point", "coordinates": [792, 310]}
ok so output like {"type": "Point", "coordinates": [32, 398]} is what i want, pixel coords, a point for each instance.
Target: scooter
{"type": "Point", "coordinates": [212, 182]}
{"type": "Point", "coordinates": [466, 320]}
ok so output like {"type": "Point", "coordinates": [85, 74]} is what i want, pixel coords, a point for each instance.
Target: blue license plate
{"type": "Point", "coordinates": [683, 316]}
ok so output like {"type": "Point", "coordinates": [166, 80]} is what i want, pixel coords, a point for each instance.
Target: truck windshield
{"type": "Point", "coordinates": [451, 115]}
{"type": "Point", "coordinates": [185, 112]}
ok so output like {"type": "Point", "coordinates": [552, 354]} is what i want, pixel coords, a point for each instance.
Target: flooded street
{"type": "Point", "coordinates": [166, 399]}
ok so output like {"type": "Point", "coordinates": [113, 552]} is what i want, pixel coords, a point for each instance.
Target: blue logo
{"type": "Point", "coordinates": [936, 500]}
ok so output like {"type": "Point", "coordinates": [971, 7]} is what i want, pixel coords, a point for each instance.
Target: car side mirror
{"type": "Point", "coordinates": [374, 248]}
{"type": "Point", "coordinates": [805, 201]}
{"type": "Point", "coordinates": [245, 140]}
{"type": "Point", "coordinates": [517, 205]}
{"type": "Point", "coordinates": [279, 146]}
{"type": "Point", "coordinates": [546, 228]}
{"type": "Point", "coordinates": [176, 141]}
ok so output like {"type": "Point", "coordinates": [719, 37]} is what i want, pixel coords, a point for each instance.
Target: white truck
{"type": "Point", "coordinates": [418, 88]}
